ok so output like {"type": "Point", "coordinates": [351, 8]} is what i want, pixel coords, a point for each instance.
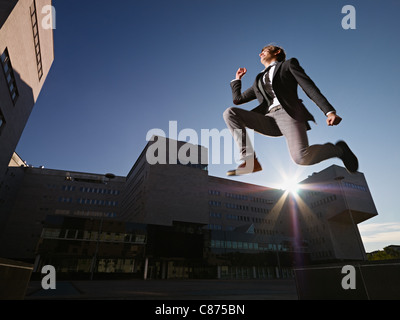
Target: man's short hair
{"type": "Point", "coordinates": [281, 56]}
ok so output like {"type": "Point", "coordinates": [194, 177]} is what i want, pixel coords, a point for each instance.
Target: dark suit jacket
{"type": "Point", "coordinates": [287, 76]}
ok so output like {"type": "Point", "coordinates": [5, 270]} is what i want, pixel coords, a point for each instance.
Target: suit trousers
{"type": "Point", "coordinates": [277, 123]}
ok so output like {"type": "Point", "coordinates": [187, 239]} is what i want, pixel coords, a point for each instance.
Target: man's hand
{"type": "Point", "coordinates": [240, 73]}
{"type": "Point", "coordinates": [333, 119]}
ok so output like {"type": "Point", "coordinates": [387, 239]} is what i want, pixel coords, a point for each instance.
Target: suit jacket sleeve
{"type": "Point", "coordinates": [309, 86]}
{"type": "Point", "coordinates": [237, 95]}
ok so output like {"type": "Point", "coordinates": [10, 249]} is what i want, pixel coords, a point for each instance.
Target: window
{"type": "Point", "coordinates": [214, 203]}
{"type": "Point", "coordinates": [9, 75]}
{"type": "Point", "coordinates": [36, 41]}
{"type": "Point", "coordinates": [68, 188]}
{"type": "Point", "coordinates": [65, 199]}
{"type": "Point", "coordinates": [214, 192]}
{"type": "Point", "coordinates": [215, 214]}
{"type": "Point", "coordinates": [355, 186]}
{"type": "Point", "coordinates": [51, 233]}
{"type": "Point", "coordinates": [71, 234]}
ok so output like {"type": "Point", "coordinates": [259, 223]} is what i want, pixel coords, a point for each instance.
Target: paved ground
{"type": "Point", "coordinates": [279, 289]}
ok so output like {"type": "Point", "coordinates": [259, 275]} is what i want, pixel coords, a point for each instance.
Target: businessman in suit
{"type": "Point", "coordinates": [281, 113]}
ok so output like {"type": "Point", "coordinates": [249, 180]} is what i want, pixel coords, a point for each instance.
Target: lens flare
{"type": "Point", "coordinates": [290, 185]}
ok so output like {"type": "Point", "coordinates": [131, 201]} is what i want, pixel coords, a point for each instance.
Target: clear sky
{"type": "Point", "coordinates": [123, 68]}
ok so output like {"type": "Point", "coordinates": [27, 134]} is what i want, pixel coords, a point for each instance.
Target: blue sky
{"type": "Point", "coordinates": [123, 68]}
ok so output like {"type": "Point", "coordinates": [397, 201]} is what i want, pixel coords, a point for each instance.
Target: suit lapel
{"type": "Point", "coordinates": [278, 65]}
{"type": "Point", "coordinates": [258, 77]}
{"type": "Point", "coordinates": [260, 86]}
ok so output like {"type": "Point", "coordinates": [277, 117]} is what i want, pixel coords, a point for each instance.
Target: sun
{"type": "Point", "coordinates": [290, 185]}
{"type": "Point", "coordinates": [288, 178]}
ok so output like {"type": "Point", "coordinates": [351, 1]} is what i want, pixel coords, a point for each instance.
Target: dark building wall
{"type": "Point", "coordinates": [38, 192]}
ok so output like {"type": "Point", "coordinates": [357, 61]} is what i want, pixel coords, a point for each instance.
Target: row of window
{"type": "Point", "coordinates": [94, 214]}
{"type": "Point", "coordinates": [234, 245]}
{"type": "Point", "coordinates": [80, 212]}
{"type": "Point", "coordinates": [318, 240]}
{"type": "Point", "coordinates": [98, 202]}
{"type": "Point", "coordinates": [323, 201]}
{"type": "Point", "coordinates": [65, 199]}
{"type": "Point", "coordinates": [238, 218]}
{"type": "Point", "coordinates": [9, 75]}
{"type": "Point", "coordinates": [230, 216]}
{"type": "Point", "coordinates": [74, 234]}
{"type": "Point", "coordinates": [91, 190]}
{"type": "Point", "coordinates": [331, 186]}
{"type": "Point", "coordinates": [213, 226]}
{"type": "Point", "coordinates": [311, 218]}
{"type": "Point", "coordinates": [314, 228]}
{"type": "Point", "coordinates": [240, 197]}
{"type": "Point", "coordinates": [84, 213]}
{"type": "Point", "coordinates": [248, 219]}
{"type": "Point", "coordinates": [266, 232]}
{"type": "Point", "coordinates": [215, 203]}
{"type": "Point", "coordinates": [243, 245]}
{"type": "Point", "coordinates": [236, 196]}
{"type": "Point", "coordinates": [322, 254]}
{"type": "Point", "coordinates": [355, 186]}
{"type": "Point", "coordinates": [238, 206]}
{"type": "Point", "coordinates": [309, 194]}
{"type": "Point", "coordinates": [215, 215]}
{"type": "Point", "coordinates": [259, 210]}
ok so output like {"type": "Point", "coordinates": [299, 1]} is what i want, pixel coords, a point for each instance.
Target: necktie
{"type": "Point", "coordinates": [267, 82]}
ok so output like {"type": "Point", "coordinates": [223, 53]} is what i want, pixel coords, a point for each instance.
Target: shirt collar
{"type": "Point", "coordinates": [271, 65]}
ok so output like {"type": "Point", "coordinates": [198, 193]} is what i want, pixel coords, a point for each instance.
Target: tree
{"type": "Point", "coordinates": [386, 254]}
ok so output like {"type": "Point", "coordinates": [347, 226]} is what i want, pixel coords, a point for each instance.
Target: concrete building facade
{"type": "Point", "coordinates": [329, 206]}
{"type": "Point", "coordinates": [27, 53]}
{"type": "Point", "coordinates": [195, 225]}
{"type": "Point", "coordinates": [30, 194]}
{"type": "Point", "coordinates": [168, 191]}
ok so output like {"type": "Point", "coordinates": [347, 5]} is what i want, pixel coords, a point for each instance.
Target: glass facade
{"type": "Point", "coordinates": [86, 245]}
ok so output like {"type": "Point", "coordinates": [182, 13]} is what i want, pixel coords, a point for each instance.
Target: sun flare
{"type": "Point", "coordinates": [290, 185]}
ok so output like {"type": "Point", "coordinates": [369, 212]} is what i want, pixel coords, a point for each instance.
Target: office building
{"type": "Point", "coordinates": [27, 53]}
{"type": "Point", "coordinates": [329, 206]}
{"type": "Point", "coordinates": [173, 220]}
{"type": "Point", "coordinates": [169, 190]}
{"type": "Point", "coordinates": [30, 194]}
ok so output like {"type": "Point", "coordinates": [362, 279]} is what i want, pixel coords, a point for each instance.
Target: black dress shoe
{"type": "Point", "coordinates": [248, 166]}
{"type": "Point", "coordinates": [349, 159]}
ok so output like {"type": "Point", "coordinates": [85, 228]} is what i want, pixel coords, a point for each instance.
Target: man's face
{"type": "Point", "coordinates": [267, 55]}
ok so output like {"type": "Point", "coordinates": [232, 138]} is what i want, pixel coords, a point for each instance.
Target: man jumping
{"type": "Point", "coordinates": [281, 113]}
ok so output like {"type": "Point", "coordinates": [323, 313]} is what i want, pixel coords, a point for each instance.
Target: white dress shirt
{"type": "Point", "coordinates": [267, 82]}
